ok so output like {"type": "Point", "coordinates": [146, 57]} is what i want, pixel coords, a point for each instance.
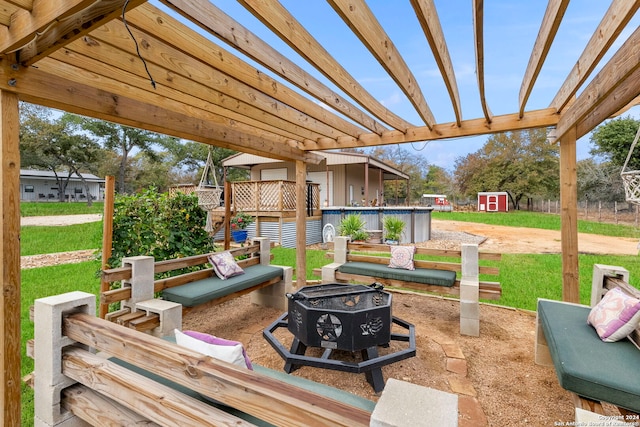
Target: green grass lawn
{"type": "Point", "coordinates": [36, 240]}
{"type": "Point", "coordinates": [59, 208]}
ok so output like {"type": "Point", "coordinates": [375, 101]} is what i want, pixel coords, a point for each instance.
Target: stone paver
{"type": "Point", "coordinates": [470, 413]}
{"type": "Point", "coordinates": [460, 385]}
{"type": "Point", "coordinates": [458, 366]}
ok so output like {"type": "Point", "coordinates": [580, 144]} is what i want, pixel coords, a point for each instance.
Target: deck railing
{"type": "Point", "coordinates": [271, 196]}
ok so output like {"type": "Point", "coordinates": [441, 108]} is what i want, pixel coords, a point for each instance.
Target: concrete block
{"type": "Point", "coordinates": [406, 404]}
{"type": "Point", "coordinates": [141, 282]}
{"type": "Point", "coordinates": [275, 296]}
{"type": "Point", "coordinates": [469, 309]}
{"type": "Point", "coordinates": [340, 249]}
{"type": "Point", "coordinates": [329, 272]}
{"type": "Point", "coordinates": [49, 342]}
{"type": "Point", "coordinates": [469, 261]}
{"type": "Point", "coordinates": [170, 314]}
{"type": "Point", "coordinates": [597, 281]}
{"type": "Point", "coordinates": [469, 290]}
{"type": "Point", "coordinates": [265, 249]}
{"type": "Point", "coordinates": [470, 327]}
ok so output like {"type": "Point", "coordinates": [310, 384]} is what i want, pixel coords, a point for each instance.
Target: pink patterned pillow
{"type": "Point", "coordinates": [615, 316]}
{"type": "Point", "coordinates": [224, 265]}
{"type": "Point", "coordinates": [218, 348]}
{"type": "Point", "coordinates": [402, 257]}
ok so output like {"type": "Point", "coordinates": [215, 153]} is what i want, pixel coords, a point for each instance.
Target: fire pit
{"type": "Point", "coordinates": [342, 317]}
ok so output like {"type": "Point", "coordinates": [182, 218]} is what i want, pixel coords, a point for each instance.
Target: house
{"type": "Point", "coordinates": [347, 183]}
{"type": "Point", "coordinates": [42, 186]}
{"type": "Point", "coordinates": [493, 201]}
{"type": "Point", "coordinates": [344, 178]}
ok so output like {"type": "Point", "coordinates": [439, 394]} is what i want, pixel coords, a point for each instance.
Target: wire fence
{"type": "Point", "coordinates": [612, 212]}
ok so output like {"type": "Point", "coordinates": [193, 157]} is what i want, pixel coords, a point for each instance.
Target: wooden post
{"type": "Point", "coordinates": [569, 217]}
{"type": "Point", "coordinates": [366, 184]}
{"type": "Point", "coordinates": [10, 248]}
{"type": "Point", "coordinates": [301, 224]}
{"type": "Point", "coordinates": [107, 235]}
{"type": "Point", "coordinates": [227, 215]}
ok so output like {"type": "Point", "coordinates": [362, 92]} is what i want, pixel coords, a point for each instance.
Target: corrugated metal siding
{"type": "Point", "coordinates": [314, 233]}
{"type": "Point", "coordinates": [422, 226]}
{"type": "Point", "coordinates": [271, 229]}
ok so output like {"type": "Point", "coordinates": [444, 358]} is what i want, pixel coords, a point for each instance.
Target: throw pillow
{"type": "Point", "coordinates": [224, 265]}
{"type": "Point", "coordinates": [402, 257]}
{"type": "Point", "coordinates": [615, 316]}
{"type": "Point", "coordinates": [218, 348]}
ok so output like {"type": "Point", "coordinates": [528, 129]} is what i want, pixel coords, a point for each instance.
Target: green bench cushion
{"type": "Point", "coordinates": [584, 364]}
{"type": "Point", "coordinates": [419, 275]}
{"type": "Point", "coordinates": [205, 290]}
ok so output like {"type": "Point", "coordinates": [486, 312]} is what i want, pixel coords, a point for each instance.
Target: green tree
{"type": "Point", "coordinates": [612, 141]}
{"type": "Point", "coordinates": [124, 140]}
{"type": "Point", "coordinates": [599, 181]}
{"type": "Point", "coordinates": [54, 144]}
{"type": "Point", "coordinates": [408, 162]}
{"type": "Point", "coordinates": [522, 163]}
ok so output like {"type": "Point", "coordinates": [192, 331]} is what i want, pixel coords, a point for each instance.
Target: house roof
{"type": "Point", "coordinates": [38, 174]}
{"type": "Point", "coordinates": [332, 158]}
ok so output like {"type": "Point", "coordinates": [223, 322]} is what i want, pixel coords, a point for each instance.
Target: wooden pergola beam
{"type": "Point", "coordinates": [364, 24]}
{"type": "Point", "coordinates": [43, 88]}
{"type": "Point", "coordinates": [153, 21]}
{"type": "Point", "coordinates": [620, 76]}
{"type": "Point", "coordinates": [504, 123]}
{"type": "Point", "coordinates": [614, 21]}
{"type": "Point", "coordinates": [221, 25]}
{"type": "Point", "coordinates": [428, 18]}
{"type": "Point", "coordinates": [70, 26]}
{"type": "Point", "coordinates": [478, 33]}
{"type": "Point", "coordinates": [550, 24]}
{"type": "Point", "coordinates": [282, 23]}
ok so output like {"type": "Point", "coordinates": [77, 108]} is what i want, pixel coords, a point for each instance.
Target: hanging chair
{"type": "Point", "coordinates": [631, 179]}
{"type": "Point", "coordinates": [208, 194]}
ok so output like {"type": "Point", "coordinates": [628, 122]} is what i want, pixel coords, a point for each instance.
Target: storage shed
{"type": "Point", "coordinates": [493, 201]}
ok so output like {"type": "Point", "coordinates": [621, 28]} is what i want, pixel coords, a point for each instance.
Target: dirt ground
{"type": "Point", "coordinates": [494, 376]}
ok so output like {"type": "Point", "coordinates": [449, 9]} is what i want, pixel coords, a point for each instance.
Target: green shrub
{"type": "Point", "coordinates": [393, 228]}
{"type": "Point", "coordinates": [353, 225]}
{"type": "Point", "coordinates": [158, 225]}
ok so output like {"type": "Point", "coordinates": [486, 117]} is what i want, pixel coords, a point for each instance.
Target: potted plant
{"type": "Point", "coordinates": [393, 229]}
{"type": "Point", "coordinates": [353, 225]}
{"type": "Point", "coordinates": [239, 223]}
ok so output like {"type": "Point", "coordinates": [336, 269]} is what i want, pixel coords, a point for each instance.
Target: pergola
{"type": "Point", "coordinates": [78, 56]}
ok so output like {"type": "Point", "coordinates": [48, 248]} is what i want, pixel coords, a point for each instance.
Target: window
{"type": "Point", "coordinates": [77, 190]}
{"type": "Point", "coordinates": [29, 189]}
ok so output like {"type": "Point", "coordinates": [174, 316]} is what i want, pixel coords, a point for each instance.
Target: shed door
{"type": "Point", "coordinates": [493, 203]}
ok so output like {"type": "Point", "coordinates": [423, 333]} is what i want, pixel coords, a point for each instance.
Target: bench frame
{"type": "Point", "coordinates": [469, 288]}
{"type": "Point", "coordinates": [605, 277]}
{"type": "Point", "coordinates": [140, 310]}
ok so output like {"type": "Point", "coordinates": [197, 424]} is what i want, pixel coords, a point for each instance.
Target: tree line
{"type": "Point", "coordinates": [523, 163]}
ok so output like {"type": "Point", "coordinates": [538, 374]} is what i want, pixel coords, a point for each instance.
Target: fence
{"type": "Point", "coordinates": [613, 212]}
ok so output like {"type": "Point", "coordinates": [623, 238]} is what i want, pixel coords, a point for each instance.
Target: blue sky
{"type": "Point", "coordinates": [511, 27]}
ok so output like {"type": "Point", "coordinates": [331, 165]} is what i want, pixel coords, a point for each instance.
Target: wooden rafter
{"type": "Point", "coordinates": [505, 123]}
{"type": "Point", "coordinates": [614, 21]}
{"type": "Point", "coordinates": [428, 17]}
{"type": "Point", "coordinates": [357, 15]}
{"type": "Point", "coordinates": [55, 23]}
{"type": "Point", "coordinates": [614, 87]}
{"type": "Point", "coordinates": [552, 18]}
{"type": "Point", "coordinates": [298, 38]}
{"type": "Point", "coordinates": [478, 32]}
{"type": "Point", "coordinates": [151, 20]}
{"type": "Point", "coordinates": [41, 88]}
{"type": "Point", "coordinates": [212, 19]}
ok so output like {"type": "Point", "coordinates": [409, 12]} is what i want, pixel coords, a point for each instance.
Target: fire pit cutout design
{"type": "Point", "coordinates": [342, 317]}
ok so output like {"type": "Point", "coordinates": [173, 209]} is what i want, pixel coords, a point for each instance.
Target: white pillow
{"type": "Point", "coordinates": [228, 353]}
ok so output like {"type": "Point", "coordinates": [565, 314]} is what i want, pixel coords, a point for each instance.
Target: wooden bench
{"type": "Point", "coordinates": [196, 290]}
{"type": "Point", "coordinates": [138, 379]}
{"type": "Point", "coordinates": [592, 370]}
{"type": "Point", "coordinates": [431, 276]}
